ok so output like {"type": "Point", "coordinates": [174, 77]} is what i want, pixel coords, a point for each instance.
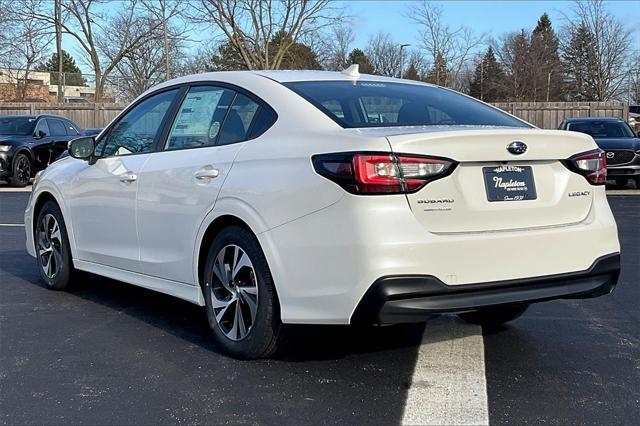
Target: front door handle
{"type": "Point", "coordinates": [207, 173]}
{"type": "Point", "coordinates": [128, 177]}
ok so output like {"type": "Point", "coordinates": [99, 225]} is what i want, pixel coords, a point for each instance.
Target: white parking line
{"type": "Point", "coordinates": [12, 224]}
{"type": "Point", "coordinates": [449, 385]}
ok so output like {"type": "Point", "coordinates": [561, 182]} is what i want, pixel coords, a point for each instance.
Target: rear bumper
{"type": "Point", "coordinates": [413, 298]}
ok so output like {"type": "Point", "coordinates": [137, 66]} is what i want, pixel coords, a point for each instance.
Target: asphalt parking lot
{"type": "Point", "coordinates": [110, 353]}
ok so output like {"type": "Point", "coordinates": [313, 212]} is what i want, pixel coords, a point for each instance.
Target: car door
{"type": "Point", "coordinates": [180, 183]}
{"type": "Point", "coordinates": [102, 196]}
{"type": "Point", "coordinates": [41, 145]}
{"type": "Point", "coordinates": [59, 138]}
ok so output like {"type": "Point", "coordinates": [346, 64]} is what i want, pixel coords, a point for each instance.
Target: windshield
{"type": "Point", "coordinates": [382, 104]}
{"type": "Point", "coordinates": [602, 129]}
{"type": "Point", "coordinates": [18, 126]}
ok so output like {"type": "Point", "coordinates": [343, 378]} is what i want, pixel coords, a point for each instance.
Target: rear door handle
{"type": "Point", "coordinates": [128, 177]}
{"type": "Point", "coordinates": [206, 173]}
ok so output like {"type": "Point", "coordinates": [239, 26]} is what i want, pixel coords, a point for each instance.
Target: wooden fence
{"type": "Point", "coordinates": [85, 115]}
{"type": "Point", "coordinates": [546, 115]}
{"type": "Point", "coordinates": [549, 115]}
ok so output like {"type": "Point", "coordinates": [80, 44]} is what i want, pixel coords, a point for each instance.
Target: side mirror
{"type": "Point", "coordinates": [82, 148]}
{"type": "Point", "coordinates": [39, 134]}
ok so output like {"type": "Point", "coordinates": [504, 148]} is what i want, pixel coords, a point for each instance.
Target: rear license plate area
{"type": "Point", "coordinates": [509, 183]}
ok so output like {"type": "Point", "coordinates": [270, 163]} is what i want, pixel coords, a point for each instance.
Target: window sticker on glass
{"type": "Point", "coordinates": [196, 112]}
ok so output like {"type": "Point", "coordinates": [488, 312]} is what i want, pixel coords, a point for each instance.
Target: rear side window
{"type": "Point", "coordinates": [199, 118]}
{"type": "Point", "coordinates": [264, 119]}
{"type": "Point", "coordinates": [56, 127]}
{"type": "Point", "coordinates": [382, 104]}
{"type": "Point", "coordinates": [238, 121]}
{"type": "Point", "coordinates": [71, 129]}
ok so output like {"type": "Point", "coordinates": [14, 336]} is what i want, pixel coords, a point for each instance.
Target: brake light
{"type": "Point", "coordinates": [592, 165]}
{"type": "Point", "coordinates": [381, 173]}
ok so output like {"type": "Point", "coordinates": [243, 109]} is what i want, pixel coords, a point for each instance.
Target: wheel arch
{"type": "Point", "coordinates": [213, 229]}
{"type": "Point", "coordinates": [41, 199]}
{"type": "Point", "coordinates": [24, 150]}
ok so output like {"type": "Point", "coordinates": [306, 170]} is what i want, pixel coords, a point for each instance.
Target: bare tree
{"type": "Point", "coordinates": [611, 48]}
{"type": "Point", "coordinates": [384, 54]}
{"type": "Point", "coordinates": [24, 43]}
{"type": "Point", "coordinates": [251, 25]}
{"type": "Point", "coordinates": [88, 23]}
{"type": "Point", "coordinates": [455, 48]}
{"type": "Point", "coordinates": [146, 66]}
{"type": "Point", "coordinates": [338, 43]}
{"type": "Point", "coordinates": [164, 11]}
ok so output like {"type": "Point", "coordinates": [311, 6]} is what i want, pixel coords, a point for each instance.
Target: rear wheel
{"type": "Point", "coordinates": [494, 316]}
{"type": "Point", "coordinates": [240, 297]}
{"type": "Point", "coordinates": [53, 253]}
{"type": "Point", "coordinates": [21, 171]}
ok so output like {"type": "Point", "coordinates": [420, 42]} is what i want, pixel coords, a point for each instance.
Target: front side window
{"type": "Point", "coordinates": [136, 131]}
{"type": "Point", "coordinates": [382, 104]}
{"type": "Point", "coordinates": [602, 129]}
{"type": "Point", "coordinates": [199, 118]}
{"type": "Point", "coordinates": [42, 127]}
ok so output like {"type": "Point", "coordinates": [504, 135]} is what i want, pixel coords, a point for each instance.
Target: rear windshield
{"type": "Point", "coordinates": [602, 129]}
{"type": "Point", "coordinates": [381, 104]}
{"type": "Point", "coordinates": [16, 126]}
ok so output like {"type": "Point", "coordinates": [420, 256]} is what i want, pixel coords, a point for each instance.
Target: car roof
{"type": "Point", "coordinates": [283, 76]}
{"type": "Point", "coordinates": [286, 76]}
{"type": "Point", "coordinates": [574, 119]}
{"type": "Point", "coordinates": [34, 117]}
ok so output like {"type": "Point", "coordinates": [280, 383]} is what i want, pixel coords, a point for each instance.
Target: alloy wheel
{"type": "Point", "coordinates": [49, 246]}
{"type": "Point", "coordinates": [23, 170]}
{"type": "Point", "coordinates": [234, 292]}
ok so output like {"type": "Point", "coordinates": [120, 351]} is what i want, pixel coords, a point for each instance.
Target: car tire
{"type": "Point", "coordinates": [21, 173]}
{"type": "Point", "coordinates": [494, 316]}
{"type": "Point", "coordinates": [621, 182]}
{"type": "Point", "coordinates": [240, 297]}
{"type": "Point", "coordinates": [53, 253]}
{"type": "Point", "coordinates": [637, 182]}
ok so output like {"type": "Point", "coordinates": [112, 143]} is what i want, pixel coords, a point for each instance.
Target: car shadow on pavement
{"type": "Point", "coordinates": [188, 321]}
{"type": "Point", "coordinates": [323, 373]}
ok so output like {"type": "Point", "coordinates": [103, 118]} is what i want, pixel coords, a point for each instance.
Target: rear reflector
{"type": "Point", "coordinates": [381, 173]}
{"type": "Point", "coordinates": [592, 165]}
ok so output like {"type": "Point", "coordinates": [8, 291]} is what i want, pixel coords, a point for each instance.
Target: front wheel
{"type": "Point", "coordinates": [241, 301]}
{"type": "Point", "coordinates": [52, 247]}
{"type": "Point", "coordinates": [494, 316]}
{"type": "Point", "coordinates": [21, 173]}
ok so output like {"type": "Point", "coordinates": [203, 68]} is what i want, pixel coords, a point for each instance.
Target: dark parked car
{"type": "Point", "coordinates": [618, 139]}
{"type": "Point", "coordinates": [29, 143]}
{"type": "Point", "coordinates": [93, 131]}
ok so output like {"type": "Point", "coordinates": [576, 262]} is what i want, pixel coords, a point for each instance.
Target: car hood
{"type": "Point", "coordinates": [8, 139]}
{"type": "Point", "coordinates": [622, 143]}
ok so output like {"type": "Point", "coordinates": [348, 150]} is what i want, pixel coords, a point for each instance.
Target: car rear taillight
{"type": "Point", "coordinates": [381, 173]}
{"type": "Point", "coordinates": [592, 165]}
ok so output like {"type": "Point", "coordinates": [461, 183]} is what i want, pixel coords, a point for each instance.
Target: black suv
{"type": "Point", "coordinates": [618, 139]}
{"type": "Point", "coordinates": [29, 143]}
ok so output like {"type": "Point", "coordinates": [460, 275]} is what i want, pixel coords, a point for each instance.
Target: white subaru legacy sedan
{"type": "Point", "coordinates": [294, 197]}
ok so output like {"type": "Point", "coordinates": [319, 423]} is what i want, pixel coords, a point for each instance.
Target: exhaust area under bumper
{"type": "Point", "coordinates": [414, 298]}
